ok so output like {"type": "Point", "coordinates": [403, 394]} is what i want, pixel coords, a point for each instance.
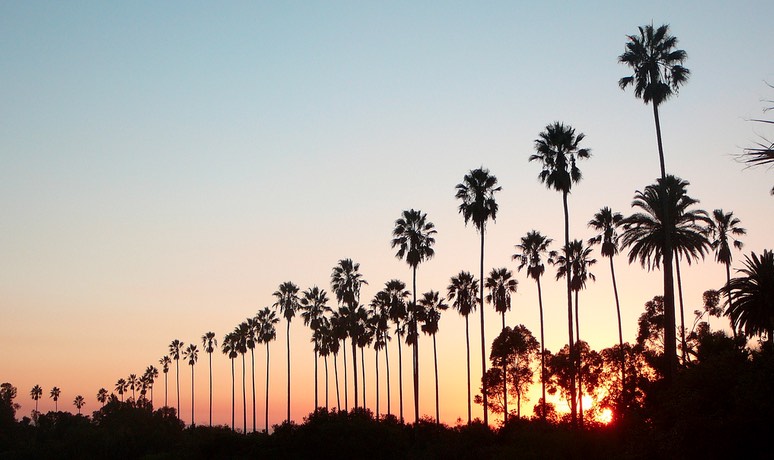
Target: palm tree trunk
{"type": "Point", "coordinates": [376, 351]}
{"type": "Point", "coordinates": [336, 374]}
{"type": "Point", "coordinates": [571, 344]}
{"type": "Point", "coordinates": [266, 406]}
{"type": "Point", "coordinates": [252, 368]}
{"type": "Point", "coordinates": [416, 351]}
{"type": "Point", "coordinates": [244, 396]}
{"type": "Point", "coordinates": [166, 388]}
{"type": "Point", "coordinates": [483, 339]}
{"type": "Point", "coordinates": [467, 349]}
{"type": "Point", "coordinates": [363, 371]}
{"type": "Point", "coordinates": [316, 405]}
{"type": "Point", "coordinates": [177, 371]}
{"type": "Point", "coordinates": [542, 351]}
{"type": "Point", "coordinates": [354, 367]}
{"type": "Point", "coordinates": [193, 423]}
{"type": "Point", "coordinates": [327, 407]}
{"type": "Point", "coordinates": [683, 344]}
{"type": "Point", "coordinates": [344, 347]}
{"type": "Point", "coordinates": [579, 363]}
{"type": "Point", "coordinates": [400, 378]}
{"type": "Point", "coordinates": [387, 362]}
{"type": "Point", "coordinates": [210, 389]}
{"type": "Point", "coordinates": [437, 405]}
{"type": "Point", "coordinates": [288, 342]}
{"type": "Point", "coordinates": [670, 342]}
{"type": "Point", "coordinates": [233, 395]}
{"type": "Point", "coordinates": [730, 300]}
{"type": "Point", "coordinates": [620, 339]}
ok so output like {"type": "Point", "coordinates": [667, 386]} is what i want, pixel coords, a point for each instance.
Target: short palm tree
{"type": "Point", "coordinates": [432, 305]}
{"type": "Point", "coordinates": [229, 348]}
{"type": "Point", "coordinates": [558, 151]}
{"type": "Point", "coordinates": [657, 74]}
{"type": "Point", "coordinates": [322, 339]}
{"type": "Point", "coordinates": [102, 396]}
{"type": "Point", "coordinates": [606, 223]}
{"type": "Point", "coordinates": [413, 235]}
{"type": "Point", "coordinates": [55, 393]}
{"type": "Point", "coordinates": [314, 305]}
{"type": "Point", "coordinates": [533, 247]}
{"type": "Point", "coordinates": [722, 230]}
{"type": "Point", "coordinates": [36, 393]}
{"type": "Point", "coordinates": [500, 284]}
{"type": "Point", "coordinates": [191, 354]}
{"type": "Point", "coordinates": [165, 361]}
{"type": "Point", "coordinates": [366, 330]}
{"type": "Point", "coordinates": [478, 205]}
{"type": "Point", "coordinates": [79, 402]}
{"type": "Point", "coordinates": [175, 349]}
{"type": "Point", "coordinates": [752, 311]}
{"type": "Point", "coordinates": [287, 303]}
{"type": "Point", "coordinates": [210, 344]}
{"type": "Point", "coordinates": [396, 289]}
{"type": "Point", "coordinates": [267, 320]}
{"type": "Point", "coordinates": [462, 292]}
{"type": "Point", "coordinates": [134, 384]}
{"type": "Point", "coordinates": [121, 387]}
{"type": "Point", "coordinates": [150, 375]}
{"type": "Point", "coordinates": [380, 313]}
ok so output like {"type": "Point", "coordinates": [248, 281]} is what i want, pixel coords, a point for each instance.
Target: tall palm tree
{"type": "Point", "coordinates": [322, 337]}
{"type": "Point", "coordinates": [55, 393]}
{"type": "Point", "coordinates": [606, 223]}
{"type": "Point", "coordinates": [462, 292]}
{"type": "Point", "coordinates": [79, 402]}
{"type": "Point", "coordinates": [251, 340]}
{"type": "Point", "coordinates": [134, 384]}
{"type": "Point", "coordinates": [287, 303]}
{"type": "Point", "coordinates": [396, 290]}
{"type": "Point", "coordinates": [242, 332]}
{"type": "Point", "coordinates": [339, 335]}
{"type": "Point", "coordinates": [191, 354]}
{"type": "Point", "coordinates": [558, 150]}
{"type": "Point", "coordinates": [36, 393]}
{"type": "Point", "coordinates": [721, 228]}
{"type": "Point", "coordinates": [229, 348]}
{"type": "Point", "coordinates": [175, 349]}
{"type": "Point", "coordinates": [657, 74]}
{"type": "Point", "coordinates": [267, 319]}
{"type": "Point", "coordinates": [432, 306]}
{"type": "Point", "coordinates": [150, 376]}
{"type": "Point", "coordinates": [501, 285]}
{"type": "Point", "coordinates": [380, 314]}
{"type": "Point", "coordinates": [121, 387]}
{"type": "Point", "coordinates": [165, 361]}
{"type": "Point", "coordinates": [365, 335]}
{"type": "Point", "coordinates": [102, 396]}
{"type": "Point", "coordinates": [413, 236]}
{"type": "Point", "coordinates": [533, 247]}
{"type": "Point", "coordinates": [346, 281]}
{"type": "Point", "coordinates": [476, 191]}
{"type": "Point", "coordinates": [209, 344]}
{"type": "Point", "coordinates": [314, 305]}
{"type": "Point", "coordinates": [752, 313]}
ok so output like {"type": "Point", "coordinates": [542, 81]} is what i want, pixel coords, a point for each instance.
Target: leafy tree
{"type": "Point", "coordinates": [287, 303]}
{"type": "Point", "coordinates": [478, 205]}
{"type": "Point", "coordinates": [432, 305]}
{"type": "Point", "coordinates": [8, 408]}
{"type": "Point", "coordinates": [191, 354]}
{"type": "Point", "coordinates": [752, 313]}
{"type": "Point", "coordinates": [210, 344]}
{"type": "Point", "coordinates": [462, 292]}
{"type": "Point", "coordinates": [558, 151]}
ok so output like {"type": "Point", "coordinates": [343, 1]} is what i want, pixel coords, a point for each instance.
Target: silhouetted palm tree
{"type": "Point", "coordinates": [413, 236]}
{"type": "Point", "coordinates": [191, 354]}
{"type": "Point", "coordinates": [533, 246]}
{"type": "Point", "coordinates": [314, 305]}
{"type": "Point", "coordinates": [267, 320]}
{"type": "Point", "coordinates": [721, 228]}
{"type": "Point", "coordinates": [250, 341]}
{"type": "Point", "coordinates": [242, 332]}
{"type": "Point", "coordinates": [657, 74]}
{"type": "Point", "coordinates": [55, 393]}
{"type": "Point", "coordinates": [322, 337]}
{"type": "Point", "coordinates": [398, 294]}
{"type": "Point", "coordinates": [121, 387]}
{"type": "Point", "coordinates": [365, 334]}
{"type": "Point", "coordinates": [229, 347]}
{"type": "Point", "coordinates": [606, 223]}
{"type": "Point", "coordinates": [36, 393]}
{"type": "Point", "coordinates": [476, 191]}
{"type": "Point", "coordinates": [346, 281]}
{"type": "Point", "coordinates": [752, 312]}
{"type": "Point", "coordinates": [209, 344]}
{"type": "Point", "coordinates": [175, 349]}
{"type": "Point", "coordinates": [557, 149]}
{"type": "Point", "coordinates": [339, 333]}
{"type": "Point", "coordinates": [150, 376]}
{"type": "Point", "coordinates": [501, 285]}
{"type": "Point", "coordinates": [134, 384]}
{"type": "Point", "coordinates": [462, 292]}
{"type": "Point", "coordinates": [380, 313]}
{"type": "Point", "coordinates": [165, 361]}
{"type": "Point", "coordinates": [287, 303]}
{"type": "Point", "coordinates": [102, 396]}
{"type": "Point", "coordinates": [432, 306]}
{"type": "Point", "coordinates": [79, 402]}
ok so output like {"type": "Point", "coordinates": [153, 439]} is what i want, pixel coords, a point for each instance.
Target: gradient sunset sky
{"type": "Point", "coordinates": [164, 166]}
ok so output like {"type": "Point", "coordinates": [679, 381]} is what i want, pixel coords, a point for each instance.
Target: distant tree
{"type": "Point", "coordinates": [102, 396]}
{"type": "Point", "coordinates": [150, 376]}
{"type": "Point", "coordinates": [165, 361]}
{"type": "Point", "coordinates": [476, 191]}
{"type": "Point", "coordinates": [229, 348]}
{"type": "Point", "coordinates": [267, 321]}
{"type": "Point", "coordinates": [462, 292]}
{"type": "Point", "coordinates": [8, 408]}
{"type": "Point", "coordinates": [79, 402]}
{"type": "Point", "coordinates": [380, 314]}
{"type": "Point", "coordinates": [242, 334]}
{"type": "Point", "coordinates": [191, 354]}
{"type": "Point", "coordinates": [287, 303]}
{"type": "Point", "coordinates": [121, 386]}
{"type": "Point", "coordinates": [314, 305]}
{"type": "Point", "coordinates": [501, 285]}
{"type": "Point", "coordinates": [396, 289]}
{"type": "Point", "coordinates": [432, 306]}
{"type": "Point", "coordinates": [210, 344]}
{"type": "Point", "coordinates": [55, 393]}
{"type": "Point", "coordinates": [752, 312]}
{"type": "Point", "coordinates": [134, 384]}
{"type": "Point", "coordinates": [36, 393]}
{"type": "Point", "coordinates": [366, 330]}
{"type": "Point", "coordinates": [175, 349]}
{"type": "Point", "coordinates": [251, 340]}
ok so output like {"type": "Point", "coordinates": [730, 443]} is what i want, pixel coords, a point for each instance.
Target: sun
{"type": "Point", "coordinates": [606, 416]}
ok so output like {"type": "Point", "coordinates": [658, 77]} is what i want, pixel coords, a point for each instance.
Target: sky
{"type": "Point", "coordinates": [165, 166]}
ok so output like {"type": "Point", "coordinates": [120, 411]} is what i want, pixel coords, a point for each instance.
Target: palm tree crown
{"type": "Point", "coordinates": [557, 149]}
{"type": "Point", "coordinates": [477, 194]}
{"type": "Point", "coordinates": [721, 228]}
{"type": "Point", "coordinates": [606, 222]}
{"type": "Point", "coordinates": [413, 236]}
{"type": "Point", "coordinates": [462, 292]}
{"type": "Point", "coordinates": [752, 310]}
{"type": "Point", "coordinates": [533, 246]}
{"type": "Point", "coordinates": [501, 285]}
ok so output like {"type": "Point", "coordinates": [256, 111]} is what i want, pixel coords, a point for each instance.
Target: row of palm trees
{"type": "Point", "coordinates": [37, 392]}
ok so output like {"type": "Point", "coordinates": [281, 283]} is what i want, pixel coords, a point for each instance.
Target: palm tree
{"type": "Point", "coordinates": [250, 341]}
{"type": "Point", "coordinates": [314, 304]}
{"type": "Point", "coordinates": [102, 396]}
{"type": "Point", "coordinates": [752, 313]}
{"type": "Point", "coordinates": [134, 384]}
{"type": "Point", "coordinates": [476, 191]}
{"type": "Point", "coordinates": [462, 292]}
{"type": "Point", "coordinates": [413, 236]}
{"type": "Point", "coordinates": [365, 328]}
{"type": "Point", "coordinates": [501, 285]}
{"type": "Point", "coordinates": [666, 215]}
{"type": "Point", "coordinates": [267, 320]}
{"type": "Point", "coordinates": [79, 402]}
{"type": "Point", "coordinates": [658, 74]}
{"type": "Point", "coordinates": [557, 149]}
{"type": "Point", "coordinates": [165, 361]}
{"type": "Point", "coordinates": [229, 347]}
{"type": "Point", "coordinates": [721, 228]}
{"type": "Point", "coordinates": [380, 311]}
{"type": "Point", "coordinates": [175, 349]}
{"type": "Point", "coordinates": [346, 281]}
{"type": "Point", "coordinates": [36, 393]}
{"type": "Point", "coordinates": [55, 393]}
{"type": "Point", "coordinates": [287, 303]}
{"type": "Point", "coordinates": [339, 333]}
{"type": "Point", "coordinates": [398, 294]}
{"type": "Point", "coordinates": [209, 344]}
{"type": "Point", "coordinates": [150, 376]}
{"type": "Point", "coordinates": [242, 332]}
{"type": "Point", "coordinates": [121, 387]}
{"type": "Point", "coordinates": [533, 246]}
{"type": "Point", "coordinates": [606, 223]}
{"type": "Point", "coordinates": [192, 355]}
{"type": "Point", "coordinates": [432, 306]}
{"type": "Point", "coordinates": [322, 337]}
